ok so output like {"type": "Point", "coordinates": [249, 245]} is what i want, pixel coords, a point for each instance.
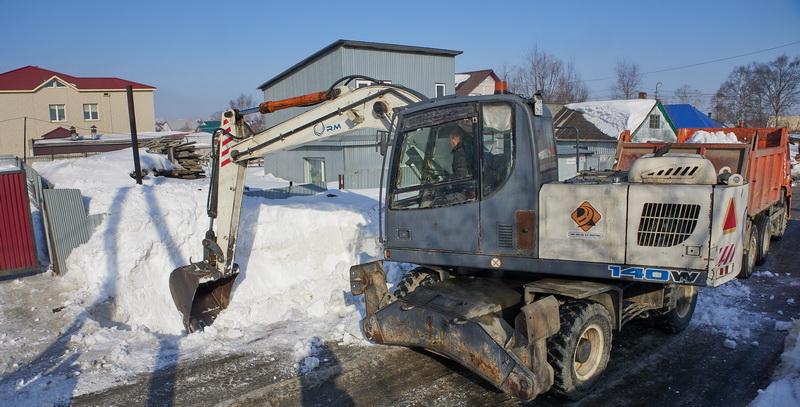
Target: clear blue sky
{"type": "Point", "coordinates": [200, 54]}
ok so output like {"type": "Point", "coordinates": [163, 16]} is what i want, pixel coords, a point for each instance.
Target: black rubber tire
{"type": "Point", "coordinates": [784, 221]}
{"type": "Point", "coordinates": [415, 278]}
{"type": "Point", "coordinates": [764, 239]}
{"type": "Point", "coordinates": [578, 318]}
{"type": "Point", "coordinates": [749, 254]}
{"type": "Point", "coordinates": [680, 301]}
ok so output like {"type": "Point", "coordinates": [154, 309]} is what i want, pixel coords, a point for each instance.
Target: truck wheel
{"type": "Point", "coordinates": [681, 301]}
{"type": "Point", "coordinates": [784, 220]}
{"type": "Point", "coordinates": [764, 239]}
{"type": "Point", "coordinates": [580, 350]}
{"type": "Point", "coordinates": [415, 278]}
{"type": "Point", "coordinates": [749, 254]}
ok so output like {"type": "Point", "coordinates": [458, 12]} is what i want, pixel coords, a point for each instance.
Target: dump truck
{"type": "Point", "coordinates": [520, 278]}
{"type": "Point", "coordinates": [761, 158]}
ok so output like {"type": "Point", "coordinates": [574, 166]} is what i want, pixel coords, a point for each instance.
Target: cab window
{"type": "Point", "coordinates": [497, 138]}
{"type": "Point", "coordinates": [436, 164]}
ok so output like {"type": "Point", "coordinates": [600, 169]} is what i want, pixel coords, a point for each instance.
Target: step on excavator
{"type": "Point", "coordinates": [520, 278]}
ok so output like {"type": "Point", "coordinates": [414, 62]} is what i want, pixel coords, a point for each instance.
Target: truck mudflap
{"type": "Point", "coordinates": [462, 319]}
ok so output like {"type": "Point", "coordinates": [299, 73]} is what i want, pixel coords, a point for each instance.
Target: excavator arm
{"type": "Point", "coordinates": [202, 289]}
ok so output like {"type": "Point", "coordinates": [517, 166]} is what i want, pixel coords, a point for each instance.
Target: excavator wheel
{"type": "Point", "coordinates": [415, 278]}
{"type": "Point", "coordinates": [579, 352]}
{"type": "Point", "coordinates": [680, 302]}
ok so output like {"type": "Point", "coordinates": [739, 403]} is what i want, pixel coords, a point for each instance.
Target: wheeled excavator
{"type": "Point", "coordinates": [520, 278]}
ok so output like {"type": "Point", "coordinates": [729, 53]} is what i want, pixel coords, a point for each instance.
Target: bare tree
{"type": "Point", "coordinates": [629, 78]}
{"type": "Point", "coordinates": [688, 94]}
{"type": "Point", "coordinates": [777, 84]}
{"type": "Point", "coordinates": [558, 81]}
{"type": "Point", "coordinates": [737, 99]}
{"type": "Point", "coordinates": [244, 101]}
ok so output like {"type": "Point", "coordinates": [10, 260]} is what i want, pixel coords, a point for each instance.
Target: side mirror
{"type": "Point", "coordinates": [538, 104]}
{"type": "Point", "coordinates": [383, 142]}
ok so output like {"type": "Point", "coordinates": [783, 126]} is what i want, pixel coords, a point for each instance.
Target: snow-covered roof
{"type": "Point", "coordinates": [461, 77]}
{"type": "Point", "coordinates": [612, 117]}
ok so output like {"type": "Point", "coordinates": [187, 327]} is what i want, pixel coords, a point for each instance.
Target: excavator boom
{"type": "Point", "coordinates": [202, 289]}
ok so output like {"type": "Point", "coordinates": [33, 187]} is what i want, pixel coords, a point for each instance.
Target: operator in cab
{"type": "Point", "coordinates": [461, 166]}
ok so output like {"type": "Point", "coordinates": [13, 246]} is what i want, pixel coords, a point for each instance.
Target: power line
{"type": "Point", "coordinates": [675, 68]}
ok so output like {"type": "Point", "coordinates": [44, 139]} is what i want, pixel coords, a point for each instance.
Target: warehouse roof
{"type": "Point", "coordinates": [359, 45]}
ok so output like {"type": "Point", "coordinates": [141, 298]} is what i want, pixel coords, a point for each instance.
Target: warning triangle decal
{"type": "Point", "coordinates": [730, 218]}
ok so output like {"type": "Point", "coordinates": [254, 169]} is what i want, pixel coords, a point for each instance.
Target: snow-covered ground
{"type": "Point", "coordinates": [111, 316]}
{"type": "Point", "coordinates": [784, 390]}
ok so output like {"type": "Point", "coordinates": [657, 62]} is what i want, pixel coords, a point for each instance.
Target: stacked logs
{"type": "Point", "coordinates": [186, 163]}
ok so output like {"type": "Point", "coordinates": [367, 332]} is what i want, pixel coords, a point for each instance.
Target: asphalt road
{"type": "Point", "coordinates": [647, 367]}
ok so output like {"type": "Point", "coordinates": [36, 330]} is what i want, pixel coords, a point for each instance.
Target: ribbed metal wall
{"type": "Point", "coordinates": [353, 155]}
{"type": "Point", "coordinates": [602, 158]}
{"type": "Point", "coordinates": [17, 244]}
{"type": "Point", "coordinates": [68, 224]}
{"type": "Point", "coordinates": [314, 77]}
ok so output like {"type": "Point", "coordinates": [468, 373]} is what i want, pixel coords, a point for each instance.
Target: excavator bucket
{"type": "Point", "coordinates": [198, 296]}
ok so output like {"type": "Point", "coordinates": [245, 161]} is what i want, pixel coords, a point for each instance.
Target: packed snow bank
{"type": "Point", "coordinates": [294, 254]}
{"type": "Point", "coordinates": [719, 137]}
{"type": "Point", "coordinates": [612, 117]}
{"type": "Point", "coordinates": [785, 387]}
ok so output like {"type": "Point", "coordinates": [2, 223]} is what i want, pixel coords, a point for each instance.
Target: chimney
{"type": "Point", "coordinates": [642, 95]}
{"type": "Point", "coordinates": [709, 115]}
{"type": "Point", "coordinates": [741, 123]}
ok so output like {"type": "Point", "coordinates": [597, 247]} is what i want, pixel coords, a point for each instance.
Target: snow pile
{"type": "Point", "coordinates": [294, 254]}
{"type": "Point", "coordinates": [720, 309]}
{"type": "Point", "coordinates": [612, 117]}
{"type": "Point", "coordinates": [719, 137]}
{"type": "Point", "coordinates": [785, 387]}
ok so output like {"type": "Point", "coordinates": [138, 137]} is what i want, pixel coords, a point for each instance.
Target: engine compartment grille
{"type": "Point", "coordinates": [666, 224]}
{"type": "Point", "coordinates": [505, 235]}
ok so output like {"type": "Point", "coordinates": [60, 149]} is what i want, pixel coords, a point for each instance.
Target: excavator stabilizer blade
{"type": "Point", "coordinates": [199, 302]}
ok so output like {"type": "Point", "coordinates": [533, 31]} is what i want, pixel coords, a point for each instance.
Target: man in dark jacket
{"type": "Point", "coordinates": [462, 167]}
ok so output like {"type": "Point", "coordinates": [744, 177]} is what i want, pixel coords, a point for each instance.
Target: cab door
{"type": "Point", "coordinates": [433, 186]}
{"type": "Point", "coordinates": [508, 198]}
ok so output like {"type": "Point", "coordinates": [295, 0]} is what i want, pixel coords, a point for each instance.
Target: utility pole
{"type": "Point", "coordinates": [134, 138]}
{"type": "Point", "coordinates": [25, 139]}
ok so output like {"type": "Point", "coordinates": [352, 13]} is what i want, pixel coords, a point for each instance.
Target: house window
{"type": "Point", "coordinates": [439, 89]}
{"type": "Point", "coordinates": [655, 121]}
{"type": "Point", "coordinates": [58, 113]}
{"type": "Point", "coordinates": [90, 112]}
{"type": "Point", "coordinates": [55, 83]}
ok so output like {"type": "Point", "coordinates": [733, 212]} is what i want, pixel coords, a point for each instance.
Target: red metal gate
{"type": "Point", "coordinates": [17, 246]}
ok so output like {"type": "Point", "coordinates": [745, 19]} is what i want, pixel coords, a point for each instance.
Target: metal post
{"type": "Point", "coordinates": [25, 139]}
{"type": "Point", "coordinates": [134, 138]}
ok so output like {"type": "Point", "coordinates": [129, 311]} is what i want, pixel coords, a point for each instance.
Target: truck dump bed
{"type": "Point", "coordinates": [762, 158]}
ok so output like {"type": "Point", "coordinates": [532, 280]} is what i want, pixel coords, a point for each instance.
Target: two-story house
{"type": "Point", "coordinates": [36, 101]}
